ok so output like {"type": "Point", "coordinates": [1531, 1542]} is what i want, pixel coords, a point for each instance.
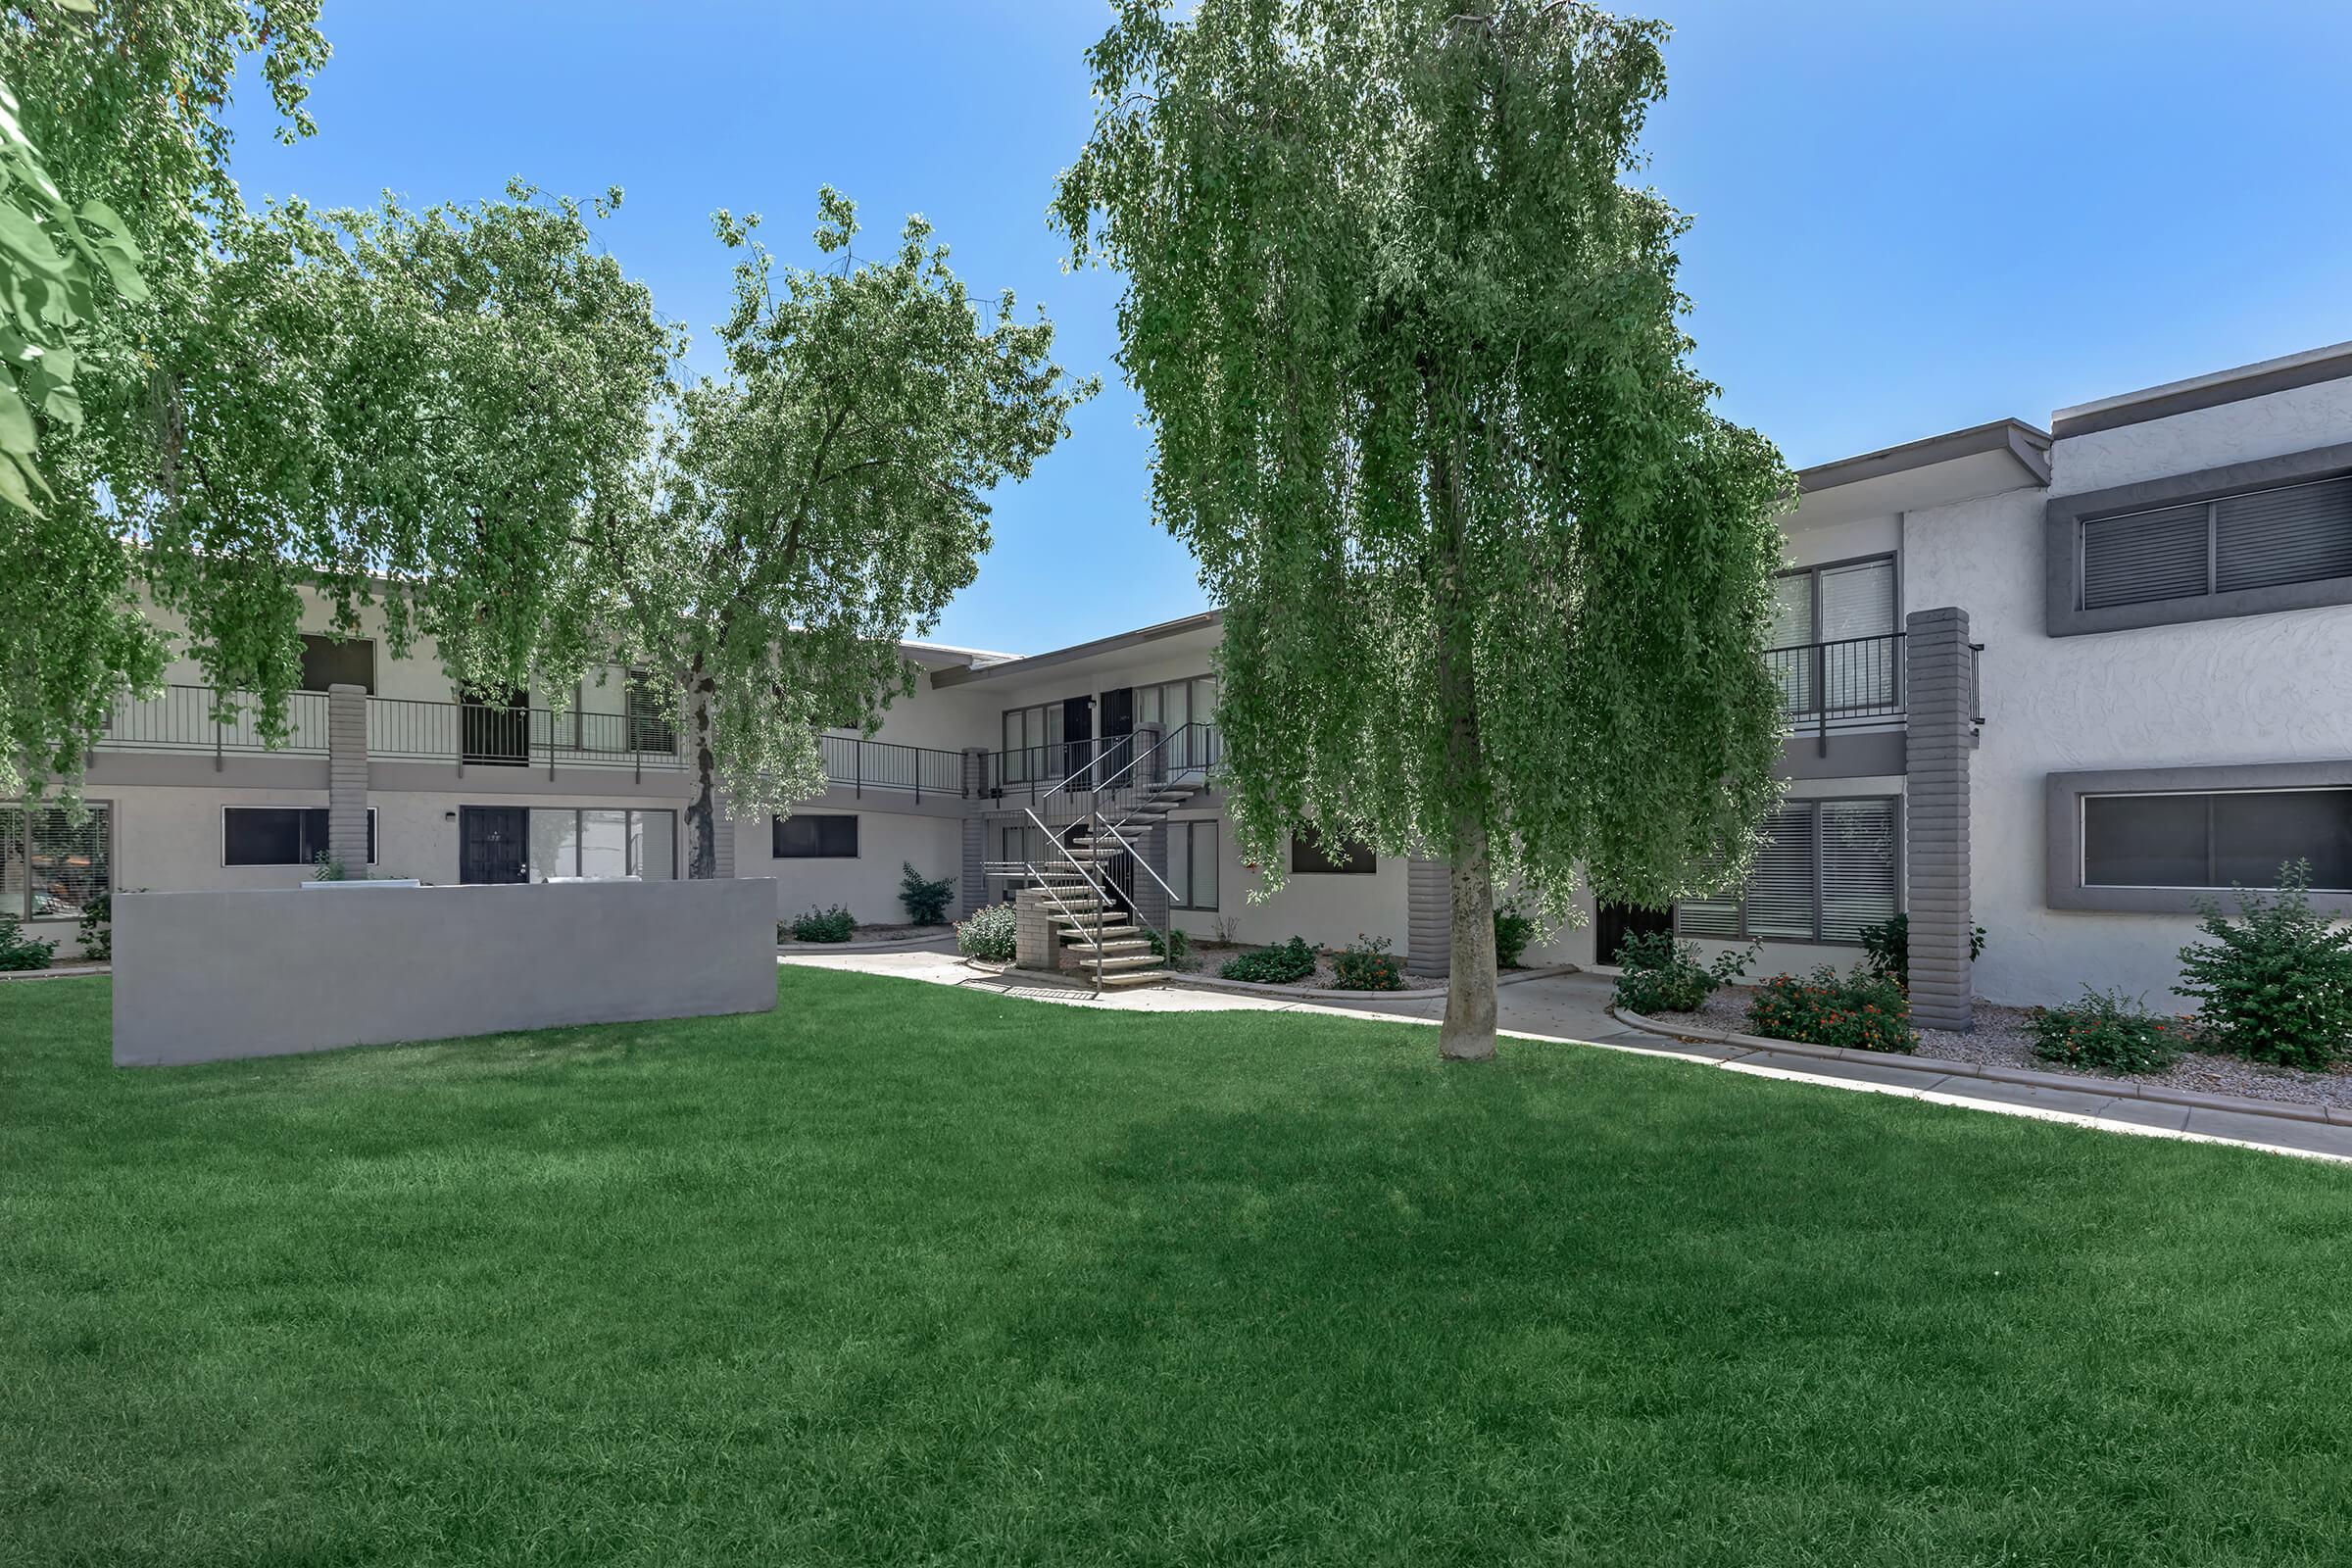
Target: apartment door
{"type": "Point", "coordinates": [1612, 924]}
{"type": "Point", "coordinates": [1077, 734]}
{"type": "Point", "coordinates": [1119, 724]}
{"type": "Point", "coordinates": [494, 844]}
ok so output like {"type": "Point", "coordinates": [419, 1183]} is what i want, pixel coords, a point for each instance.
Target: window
{"type": "Point", "coordinates": [816, 838]}
{"type": "Point", "coordinates": [603, 843]}
{"type": "Point", "coordinates": [2248, 539]}
{"type": "Point", "coordinates": [1309, 859]}
{"type": "Point", "coordinates": [1824, 870]}
{"type": "Point", "coordinates": [2216, 839]}
{"type": "Point", "coordinates": [51, 865]}
{"type": "Point", "coordinates": [279, 835]}
{"type": "Point", "coordinates": [1172, 706]}
{"type": "Point", "coordinates": [1032, 743]}
{"type": "Point", "coordinates": [1833, 631]}
{"type": "Point", "coordinates": [1023, 844]}
{"type": "Point", "coordinates": [652, 718]}
{"type": "Point", "coordinates": [1192, 865]}
{"type": "Point", "coordinates": [327, 663]}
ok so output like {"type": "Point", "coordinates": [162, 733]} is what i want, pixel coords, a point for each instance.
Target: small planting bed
{"type": "Point", "coordinates": [2002, 1039]}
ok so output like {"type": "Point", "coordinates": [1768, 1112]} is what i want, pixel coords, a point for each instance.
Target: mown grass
{"type": "Point", "coordinates": [899, 1274]}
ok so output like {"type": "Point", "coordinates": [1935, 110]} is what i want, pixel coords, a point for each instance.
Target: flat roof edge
{"type": "Point", "coordinates": [2028, 444]}
{"type": "Point", "coordinates": [1117, 643]}
{"type": "Point", "coordinates": [2264, 376]}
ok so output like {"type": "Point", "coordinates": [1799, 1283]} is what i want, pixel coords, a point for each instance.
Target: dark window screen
{"type": "Point", "coordinates": [816, 838]}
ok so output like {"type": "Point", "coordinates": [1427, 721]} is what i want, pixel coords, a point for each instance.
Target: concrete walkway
{"type": "Point", "coordinates": [1573, 1009]}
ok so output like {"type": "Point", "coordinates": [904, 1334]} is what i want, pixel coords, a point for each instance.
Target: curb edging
{"type": "Point", "coordinates": [1251, 988]}
{"type": "Point", "coordinates": [2306, 1110]}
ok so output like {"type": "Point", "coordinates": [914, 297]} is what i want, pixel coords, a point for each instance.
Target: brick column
{"type": "Point", "coordinates": [1940, 690]}
{"type": "Point", "coordinates": [347, 778]}
{"type": "Point", "coordinates": [722, 837]}
{"type": "Point", "coordinates": [1429, 917]}
{"type": "Point", "coordinates": [972, 889]}
{"type": "Point", "coordinates": [1152, 842]}
{"type": "Point", "coordinates": [1036, 940]}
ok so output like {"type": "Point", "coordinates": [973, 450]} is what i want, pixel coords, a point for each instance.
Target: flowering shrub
{"type": "Point", "coordinates": [2106, 1032]}
{"type": "Point", "coordinates": [1282, 964]}
{"type": "Point", "coordinates": [989, 933]}
{"type": "Point", "coordinates": [1663, 975]}
{"type": "Point", "coordinates": [823, 925]}
{"type": "Point", "coordinates": [1858, 1012]}
{"type": "Point", "coordinates": [2276, 984]}
{"type": "Point", "coordinates": [1366, 965]}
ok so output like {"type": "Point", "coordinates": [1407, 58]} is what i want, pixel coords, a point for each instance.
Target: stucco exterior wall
{"type": "Point", "coordinates": [211, 976]}
{"type": "Point", "coordinates": [2261, 688]}
{"type": "Point", "coordinates": [867, 886]}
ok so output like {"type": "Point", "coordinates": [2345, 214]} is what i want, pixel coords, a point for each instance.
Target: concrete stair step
{"type": "Point", "coordinates": [1109, 966]}
{"type": "Point", "coordinates": [1131, 979]}
{"type": "Point", "coordinates": [1111, 948]}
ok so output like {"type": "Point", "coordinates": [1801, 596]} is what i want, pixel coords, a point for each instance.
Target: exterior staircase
{"type": "Point", "coordinates": [1088, 877]}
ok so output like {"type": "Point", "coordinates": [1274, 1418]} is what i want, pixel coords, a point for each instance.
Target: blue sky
{"type": "Point", "coordinates": [1909, 217]}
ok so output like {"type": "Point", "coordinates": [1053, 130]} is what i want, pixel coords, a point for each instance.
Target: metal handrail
{"type": "Point", "coordinates": [1810, 674]}
{"type": "Point", "coordinates": [180, 717]}
{"type": "Point", "coordinates": [927, 768]}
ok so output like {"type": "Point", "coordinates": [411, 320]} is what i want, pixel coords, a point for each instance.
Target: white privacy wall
{"type": "Point", "coordinates": [2256, 689]}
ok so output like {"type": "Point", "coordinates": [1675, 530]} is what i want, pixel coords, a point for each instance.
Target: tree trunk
{"type": "Point", "coordinates": [1468, 1032]}
{"type": "Point", "coordinates": [702, 812]}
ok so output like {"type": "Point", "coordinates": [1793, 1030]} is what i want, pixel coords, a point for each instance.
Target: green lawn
{"type": "Point", "coordinates": [901, 1275]}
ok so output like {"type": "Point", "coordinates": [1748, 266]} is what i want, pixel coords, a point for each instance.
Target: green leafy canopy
{"type": "Point", "coordinates": [1496, 577]}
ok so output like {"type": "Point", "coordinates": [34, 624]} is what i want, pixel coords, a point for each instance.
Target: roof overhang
{"type": "Point", "coordinates": [1100, 647]}
{"type": "Point", "coordinates": [1936, 471]}
{"type": "Point", "coordinates": [2259, 379]}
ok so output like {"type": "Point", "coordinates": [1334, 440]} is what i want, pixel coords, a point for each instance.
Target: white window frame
{"type": "Point", "coordinates": [2083, 835]}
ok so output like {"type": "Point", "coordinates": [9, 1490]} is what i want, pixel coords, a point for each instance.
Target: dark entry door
{"type": "Point", "coordinates": [1612, 924]}
{"type": "Point", "coordinates": [1118, 725]}
{"type": "Point", "coordinates": [497, 727]}
{"type": "Point", "coordinates": [1077, 734]}
{"type": "Point", "coordinates": [495, 843]}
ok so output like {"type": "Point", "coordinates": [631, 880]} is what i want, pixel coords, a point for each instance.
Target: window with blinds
{"type": "Point", "coordinates": [1847, 610]}
{"type": "Point", "coordinates": [1824, 870]}
{"type": "Point", "coordinates": [2261, 539]}
{"type": "Point", "coordinates": [50, 865]}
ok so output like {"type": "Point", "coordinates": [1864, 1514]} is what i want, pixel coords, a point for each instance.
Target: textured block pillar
{"type": "Point", "coordinates": [1151, 895]}
{"type": "Point", "coordinates": [347, 778]}
{"type": "Point", "coordinates": [972, 889]}
{"type": "Point", "coordinates": [723, 835]}
{"type": "Point", "coordinates": [1938, 677]}
{"type": "Point", "coordinates": [1036, 940]}
{"type": "Point", "coordinates": [1429, 917]}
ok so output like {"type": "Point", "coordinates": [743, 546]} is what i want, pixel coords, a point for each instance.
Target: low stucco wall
{"type": "Point", "coordinates": [212, 975]}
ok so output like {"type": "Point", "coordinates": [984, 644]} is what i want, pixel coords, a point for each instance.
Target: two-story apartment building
{"type": "Point", "coordinates": [2058, 684]}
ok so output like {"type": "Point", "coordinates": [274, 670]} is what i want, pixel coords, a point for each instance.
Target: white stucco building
{"type": "Point", "coordinates": [2057, 683]}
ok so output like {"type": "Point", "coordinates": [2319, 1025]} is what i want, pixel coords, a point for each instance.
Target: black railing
{"type": "Point", "coordinates": [496, 735]}
{"type": "Point", "coordinates": [1852, 683]}
{"type": "Point", "coordinates": [1032, 773]}
{"type": "Point", "coordinates": [863, 765]}
{"type": "Point", "coordinates": [198, 718]}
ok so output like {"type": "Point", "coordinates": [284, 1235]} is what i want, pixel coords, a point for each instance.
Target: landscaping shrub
{"type": "Point", "coordinates": [2274, 984]}
{"type": "Point", "coordinates": [2106, 1032]}
{"type": "Point", "coordinates": [1663, 975]}
{"type": "Point", "coordinates": [1514, 928]}
{"type": "Point", "coordinates": [96, 929]}
{"type": "Point", "coordinates": [988, 934]}
{"type": "Point", "coordinates": [1285, 963]}
{"type": "Point", "coordinates": [1177, 948]}
{"type": "Point", "coordinates": [823, 925]}
{"type": "Point", "coordinates": [1859, 1011]}
{"type": "Point", "coordinates": [18, 951]}
{"type": "Point", "coordinates": [926, 902]}
{"type": "Point", "coordinates": [1366, 965]}
{"type": "Point", "coordinates": [1886, 947]}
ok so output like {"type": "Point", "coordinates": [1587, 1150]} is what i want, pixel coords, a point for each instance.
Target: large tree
{"type": "Point", "coordinates": [1496, 577]}
{"type": "Point", "coordinates": [825, 498]}
{"type": "Point", "coordinates": [432, 412]}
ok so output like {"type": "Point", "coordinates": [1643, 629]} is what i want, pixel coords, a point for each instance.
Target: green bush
{"type": "Point", "coordinates": [989, 933]}
{"type": "Point", "coordinates": [1366, 965]}
{"type": "Point", "coordinates": [1514, 929]}
{"type": "Point", "coordinates": [1886, 947]}
{"type": "Point", "coordinates": [1177, 948]}
{"type": "Point", "coordinates": [1663, 975]}
{"type": "Point", "coordinates": [2106, 1032]}
{"type": "Point", "coordinates": [1285, 963]}
{"type": "Point", "coordinates": [1859, 1011]}
{"type": "Point", "coordinates": [823, 925]}
{"type": "Point", "coordinates": [2276, 984]}
{"type": "Point", "coordinates": [96, 928]}
{"type": "Point", "coordinates": [18, 951]}
{"type": "Point", "coordinates": [926, 902]}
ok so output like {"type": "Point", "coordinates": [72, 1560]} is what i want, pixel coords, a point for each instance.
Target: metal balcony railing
{"type": "Point", "coordinates": [491, 735]}
{"type": "Point", "coordinates": [200, 719]}
{"type": "Point", "coordinates": [1032, 773]}
{"type": "Point", "coordinates": [1852, 683]}
{"type": "Point", "coordinates": [862, 765]}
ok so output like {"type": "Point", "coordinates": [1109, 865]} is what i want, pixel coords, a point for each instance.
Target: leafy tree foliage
{"type": "Point", "coordinates": [436, 411]}
{"type": "Point", "coordinates": [1496, 577]}
{"type": "Point", "coordinates": [826, 498]}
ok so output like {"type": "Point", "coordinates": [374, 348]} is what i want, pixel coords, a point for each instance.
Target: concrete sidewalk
{"type": "Point", "coordinates": [1573, 1009]}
